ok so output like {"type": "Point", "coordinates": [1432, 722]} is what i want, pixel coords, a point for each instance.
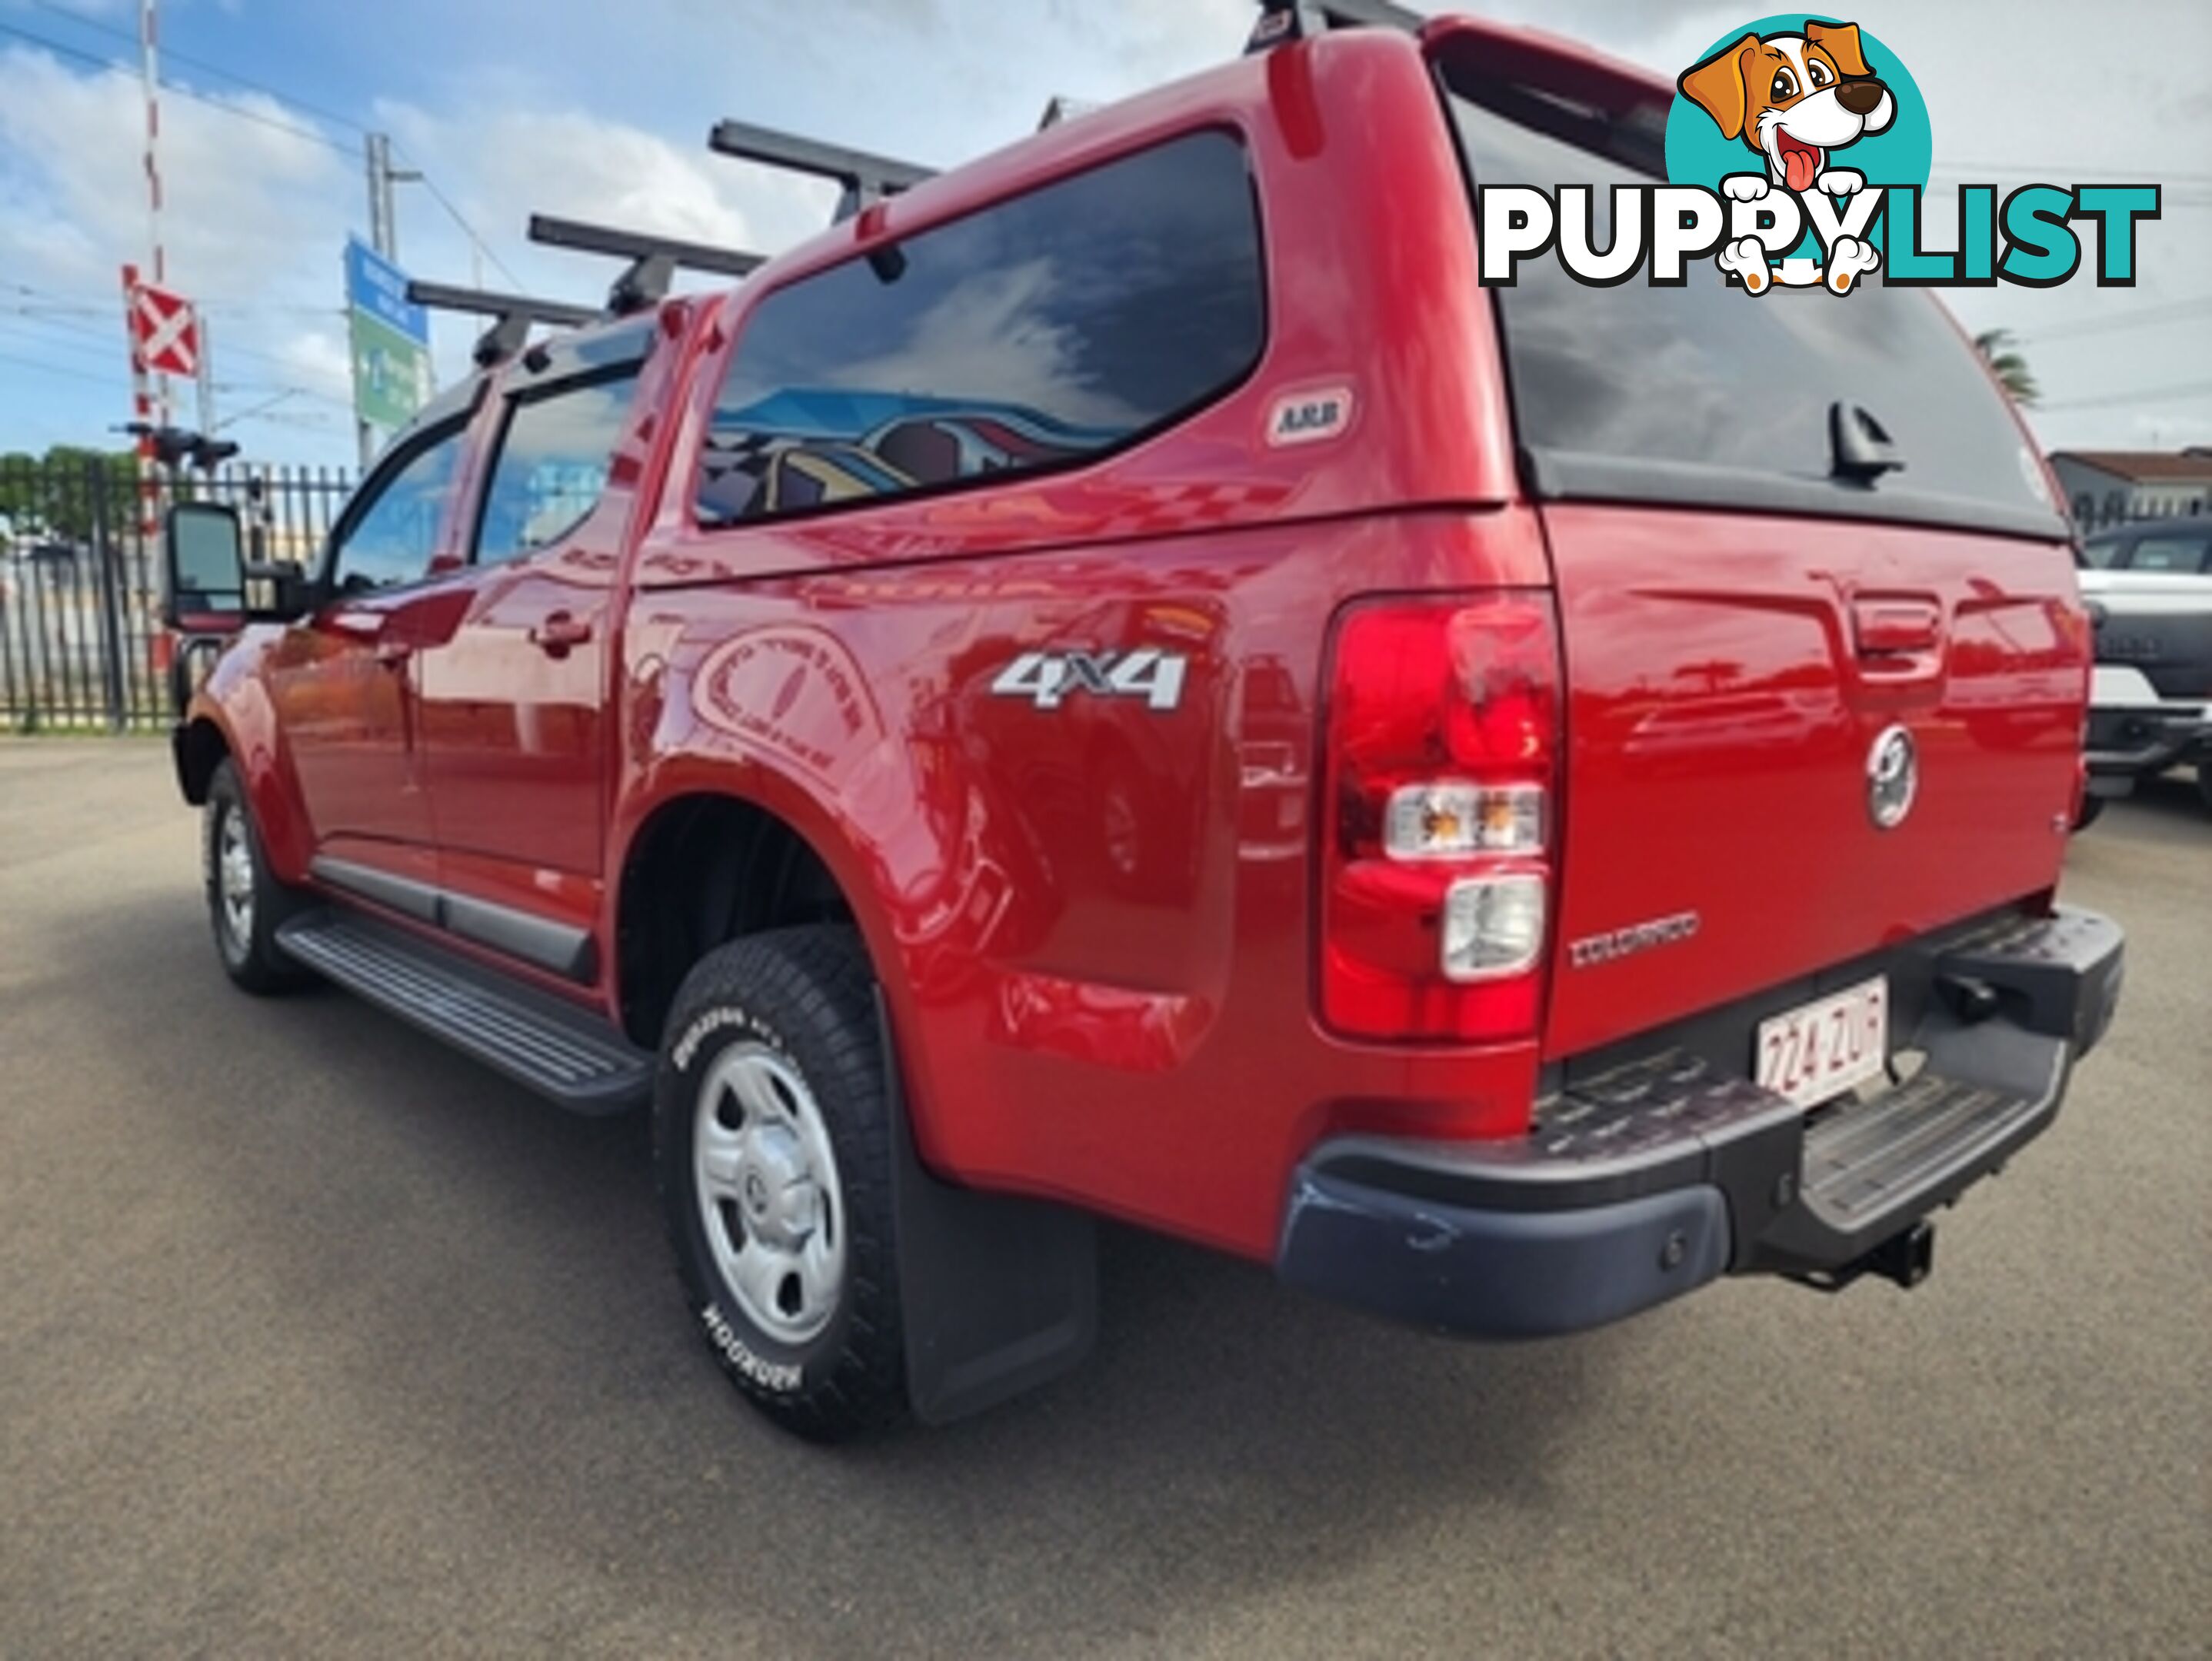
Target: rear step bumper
{"type": "Point", "coordinates": [1655, 1177]}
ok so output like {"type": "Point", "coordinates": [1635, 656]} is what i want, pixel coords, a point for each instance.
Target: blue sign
{"type": "Point", "coordinates": [376, 287]}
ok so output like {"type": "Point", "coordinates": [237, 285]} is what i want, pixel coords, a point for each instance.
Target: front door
{"type": "Point", "coordinates": [344, 679]}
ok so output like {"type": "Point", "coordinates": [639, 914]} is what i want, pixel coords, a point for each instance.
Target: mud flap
{"type": "Point", "coordinates": [998, 1294]}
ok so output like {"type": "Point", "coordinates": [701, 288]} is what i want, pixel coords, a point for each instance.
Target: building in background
{"type": "Point", "coordinates": [2103, 486]}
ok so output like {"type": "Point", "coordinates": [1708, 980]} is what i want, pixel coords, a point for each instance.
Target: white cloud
{"type": "Point", "coordinates": [235, 189]}
{"type": "Point", "coordinates": [256, 220]}
{"type": "Point", "coordinates": [553, 110]}
{"type": "Point", "coordinates": [513, 161]}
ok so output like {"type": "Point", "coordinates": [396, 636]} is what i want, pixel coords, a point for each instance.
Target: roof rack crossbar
{"type": "Point", "coordinates": [866, 179]}
{"type": "Point", "coordinates": [1371, 13]}
{"type": "Point", "coordinates": [514, 313]}
{"type": "Point", "coordinates": [1283, 20]}
{"type": "Point", "coordinates": [654, 260]}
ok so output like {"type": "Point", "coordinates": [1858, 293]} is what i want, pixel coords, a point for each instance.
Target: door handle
{"type": "Point", "coordinates": [559, 632]}
{"type": "Point", "coordinates": [1892, 627]}
{"type": "Point", "coordinates": [393, 654]}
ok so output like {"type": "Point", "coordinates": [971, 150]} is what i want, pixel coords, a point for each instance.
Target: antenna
{"type": "Point", "coordinates": [866, 179]}
{"type": "Point", "coordinates": [514, 314]}
{"type": "Point", "coordinates": [654, 260]}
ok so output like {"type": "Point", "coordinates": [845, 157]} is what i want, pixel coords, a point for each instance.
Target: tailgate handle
{"type": "Point", "coordinates": [1884, 629]}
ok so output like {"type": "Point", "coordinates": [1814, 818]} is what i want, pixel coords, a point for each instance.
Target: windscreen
{"type": "Point", "coordinates": [1705, 393]}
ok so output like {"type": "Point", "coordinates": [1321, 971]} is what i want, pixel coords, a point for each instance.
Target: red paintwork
{"type": "Point", "coordinates": [1141, 1035]}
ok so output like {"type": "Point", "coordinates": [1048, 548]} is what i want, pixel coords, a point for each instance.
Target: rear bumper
{"type": "Point", "coordinates": [1659, 1176]}
{"type": "Point", "coordinates": [2138, 741]}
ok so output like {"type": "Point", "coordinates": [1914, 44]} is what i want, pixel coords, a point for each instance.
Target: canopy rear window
{"type": "Point", "coordinates": [1706, 395]}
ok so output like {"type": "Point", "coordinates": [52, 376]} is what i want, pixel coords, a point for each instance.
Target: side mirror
{"type": "Point", "coordinates": [205, 563]}
{"type": "Point", "coordinates": [213, 589]}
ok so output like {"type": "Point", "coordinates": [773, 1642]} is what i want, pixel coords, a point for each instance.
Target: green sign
{"type": "Point", "coordinates": [390, 373]}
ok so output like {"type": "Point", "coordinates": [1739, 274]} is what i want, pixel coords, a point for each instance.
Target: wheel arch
{"type": "Point", "coordinates": [240, 728]}
{"type": "Point", "coordinates": [200, 746]}
{"type": "Point", "coordinates": [708, 865]}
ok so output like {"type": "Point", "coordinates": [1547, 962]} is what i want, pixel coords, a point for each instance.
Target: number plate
{"type": "Point", "coordinates": [1821, 1050]}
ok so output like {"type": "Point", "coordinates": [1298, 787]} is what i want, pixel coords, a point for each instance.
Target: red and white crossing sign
{"type": "Point", "coordinates": [165, 336]}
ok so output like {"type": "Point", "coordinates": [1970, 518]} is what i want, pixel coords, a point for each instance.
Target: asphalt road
{"type": "Point", "coordinates": [314, 1338]}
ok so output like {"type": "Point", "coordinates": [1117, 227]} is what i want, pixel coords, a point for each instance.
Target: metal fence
{"type": "Point", "coordinates": [2092, 517]}
{"type": "Point", "coordinates": [81, 637]}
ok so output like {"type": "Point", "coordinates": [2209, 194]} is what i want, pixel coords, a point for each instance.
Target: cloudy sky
{"type": "Point", "coordinates": [599, 110]}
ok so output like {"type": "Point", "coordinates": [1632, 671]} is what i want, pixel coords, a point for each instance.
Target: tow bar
{"type": "Point", "coordinates": [1907, 1258]}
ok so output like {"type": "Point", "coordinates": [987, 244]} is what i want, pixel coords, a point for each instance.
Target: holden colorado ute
{"type": "Point", "coordinates": [1120, 681]}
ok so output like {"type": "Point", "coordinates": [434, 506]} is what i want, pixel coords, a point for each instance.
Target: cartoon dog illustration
{"type": "Point", "coordinates": [1795, 100]}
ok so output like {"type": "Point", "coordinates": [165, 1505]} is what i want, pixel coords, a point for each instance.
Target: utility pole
{"type": "Point", "coordinates": [383, 221]}
{"type": "Point", "coordinates": [142, 391]}
{"type": "Point", "coordinates": [205, 376]}
{"type": "Point", "coordinates": [383, 236]}
{"type": "Point", "coordinates": [149, 78]}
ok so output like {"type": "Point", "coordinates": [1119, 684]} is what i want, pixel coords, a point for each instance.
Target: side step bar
{"type": "Point", "coordinates": [563, 1053]}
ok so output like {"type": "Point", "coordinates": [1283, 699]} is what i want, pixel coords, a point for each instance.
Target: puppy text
{"type": "Point", "coordinates": [2037, 236]}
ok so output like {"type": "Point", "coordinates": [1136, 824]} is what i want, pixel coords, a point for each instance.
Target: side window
{"type": "Point", "coordinates": [392, 538]}
{"type": "Point", "coordinates": [553, 463]}
{"type": "Point", "coordinates": [1041, 332]}
{"type": "Point", "coordinates": [2170, 554]}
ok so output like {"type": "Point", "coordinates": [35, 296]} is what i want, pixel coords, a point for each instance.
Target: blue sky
{"type": "Point", "coordinates": [600, 112]}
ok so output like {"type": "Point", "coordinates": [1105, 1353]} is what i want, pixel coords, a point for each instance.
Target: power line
{"type": "Point", "coordinates": [69, 372]}
{"type": "Point", "coordinates": [100, 339]}
{"type": "Point", "coordinates": [2142, 318]}
{"type": "Point", "coordinates": [172, 55]}
{"type": "Point", "coordinates": [2142, 395]}
{"type": "Point", "coordinates": [468, 230]}
{"type": "Point", "coordinates": [311, 134]}
{"type": "Point", "coordinates": [82, 341]}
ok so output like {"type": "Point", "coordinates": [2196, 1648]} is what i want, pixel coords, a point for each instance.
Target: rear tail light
{"type": "Point", "coordinates": [1443, 733]}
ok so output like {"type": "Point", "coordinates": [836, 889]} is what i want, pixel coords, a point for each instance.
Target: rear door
{"type": "Point", "coordinates": [514, 689]}
{"type": "Point", "coordinates": [1809, 716]}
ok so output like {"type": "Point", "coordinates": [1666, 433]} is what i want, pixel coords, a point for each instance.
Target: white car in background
{"type": "Point", "coordinates": [2148, 589]}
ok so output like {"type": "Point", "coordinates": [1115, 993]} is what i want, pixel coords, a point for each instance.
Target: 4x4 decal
{"type": "Point", "coordinates": [1046, 678]}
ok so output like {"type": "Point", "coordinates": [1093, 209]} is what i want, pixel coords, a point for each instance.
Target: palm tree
{"type": "Point", "coordinates": [2007, 365]}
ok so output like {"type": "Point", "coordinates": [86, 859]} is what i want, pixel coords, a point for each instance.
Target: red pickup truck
{"type": "Point", "coordinates": [1121, 680]}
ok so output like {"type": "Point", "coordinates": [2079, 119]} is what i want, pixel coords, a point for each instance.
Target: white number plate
{"type": "Point", "coordinates": [1821, 1048]}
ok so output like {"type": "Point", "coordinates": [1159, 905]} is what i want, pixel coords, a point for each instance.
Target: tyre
{"type": "Point", "coordinates": [245, 904]}
{"type": "Point", "coordinates": [772, 1146]}
{"type": "Point", "coordinates": [2204, 781]}
{"type": "Point", "coordinates": [2086, 814]}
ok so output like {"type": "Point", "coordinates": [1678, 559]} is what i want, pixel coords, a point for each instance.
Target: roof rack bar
{"type": "Point", "coordinates": [1284, 20]}
{"type": "Point", "coordinates": [866, 178]}
{"type": "Point", "coordinates": [653, 260]}
{"type": "Point", "coordinates": [556, 232]}
{"type": "Point", "coordinates": [1371, 13]}
{"type": "Point", "coordinates": [482, 302]}
{"type": "Point", "coordinates": [514, 313]}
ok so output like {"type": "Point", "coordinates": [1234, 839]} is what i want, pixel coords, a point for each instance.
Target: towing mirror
{"type": "Point", "coordinates": [213, 588]}
{"type": "Point", "coordinates": [206, 568]}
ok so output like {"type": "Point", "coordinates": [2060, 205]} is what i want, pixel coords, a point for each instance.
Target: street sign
{"type": "Point", "coordinates": [389, 337]}
{"type": "Point", "coordinates": [165, 336]}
